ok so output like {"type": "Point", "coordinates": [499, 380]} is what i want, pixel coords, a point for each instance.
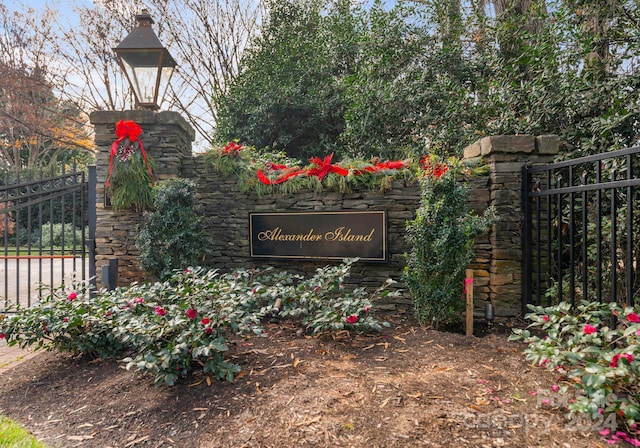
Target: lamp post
{"type": "Point", "coordinates": [147, 65]}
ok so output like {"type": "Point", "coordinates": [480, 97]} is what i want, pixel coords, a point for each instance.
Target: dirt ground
{"type": "Point", "coordinates": [406, 387]}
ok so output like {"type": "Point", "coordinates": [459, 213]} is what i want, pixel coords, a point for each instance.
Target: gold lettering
{"type": "Point", "coordinates": [341, 235]}
{"type": "Point", "coordinates": [277, 235]}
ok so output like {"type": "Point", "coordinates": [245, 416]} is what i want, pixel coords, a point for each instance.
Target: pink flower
{"type": "Point", "coordinates": [160, 311]}
{"type": "Point", "coordinates": [3, 335]}
{"type": "Point", "coordinates": [589, 329]}
{"type": "Point", "coordinates": [617, 356]}
{"type": "Point", "coordinates": [316, 289]}
{"type": "Point", "coordinates": [555, 388]}
{"type": "Point", "coordinates": [367, 309]}
{"type": "Point", "coordinates": [545, 318]}
{"type": "Point", "coordinates": [138, 300]}
{"type": "Point", "coordinates": [208, 330]}
{"type": "Point", "coordinates": [205, 321]}
{"type": "Point", "coordinates": [72, 296]}
{"type": "Point", "coordinates": [352, 319]}
{"type": "Point", "coordinates": [633, 317]}
{"type": "Point", "coordinates": [187, 271]}
{"type": "Point", "coordinates": [533, 393]}
{"type": "Point", "coordinates": [66, 319]}
{"type": "Point", "coordinates": [191, 313]}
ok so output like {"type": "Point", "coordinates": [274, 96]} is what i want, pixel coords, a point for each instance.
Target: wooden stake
{"type": "Point", "coordinates": [468, 287]}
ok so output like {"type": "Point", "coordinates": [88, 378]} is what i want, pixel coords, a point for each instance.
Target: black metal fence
{"type": "Point", "coordinates": [581, 230]}
{"type": "Point", "coordinates": [47, 225]}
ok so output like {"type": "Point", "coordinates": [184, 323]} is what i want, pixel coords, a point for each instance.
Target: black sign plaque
{"type": "Point", "coordinates": [324, 235]}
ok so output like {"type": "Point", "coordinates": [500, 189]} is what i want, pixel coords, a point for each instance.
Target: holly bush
{"type": "Point", "coordinates": [441, 238]}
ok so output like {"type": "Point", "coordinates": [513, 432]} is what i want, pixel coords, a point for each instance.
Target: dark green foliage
{"type": "Point", "coordinates": [173, 236]}
{"type": "Point", "coordinates": [441, 237]}
{"type": "Point", "coordinates": [435, 76]}
{"type": "Point", "coordinates": [287, 96]}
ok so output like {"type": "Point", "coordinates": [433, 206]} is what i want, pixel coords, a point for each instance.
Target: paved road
{"type": "Point", "coordinates": [21, 280]}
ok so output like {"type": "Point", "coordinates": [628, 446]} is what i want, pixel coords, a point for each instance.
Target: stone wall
{"type": "Point", "coordinates": [227, 209]}
{"type": "Point", "coordinates": [167, 138]}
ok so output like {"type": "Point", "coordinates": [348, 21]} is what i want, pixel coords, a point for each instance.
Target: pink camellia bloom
{"type": "Point", "coordinates": [352, 319]}
{"type": "Point", "coordinates": [205, 321]}
{"type": "Point", "coordinates": [589, 329]}
{"type": "Point", "coordinates": [367, 309]}
{"type": "Point", "coordinates": [545, 318]}
{"type": "Point", "coordinates": [3, 335]}
{"type": "Point", "coordinates": [555, 388]}
{"type": "Point", "coordinates": [138, 300]}
{"type": "Point", "coordinates": [160, 311]}
{"type": "Point", "coordinates": [208, 330]}
{"type": "Point", "coordinates": [316, 289]}
{"type": "Point", "coordinates": [617, 356]}
{"type": "Point", "coordinates": [191, 313]}
{"type": "Point", "coordinates": [633, 318]}
{"type": "Point", "coordinates": [72, 296]}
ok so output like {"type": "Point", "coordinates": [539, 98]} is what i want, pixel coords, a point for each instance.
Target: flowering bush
{"type": "Point", "coordinates": [594, 347]}
{"type": "Point", "coordinates": [70, 321]}
{"type": "Point", "coordinates": [174, 327]}
{"type": "Point", "coordinates": [441, 237]}
{"type": "Point", "coordinates": [325, 305]}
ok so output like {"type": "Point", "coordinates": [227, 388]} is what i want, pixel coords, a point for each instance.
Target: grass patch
{"type": "Point", "coordinates": [13, 435]}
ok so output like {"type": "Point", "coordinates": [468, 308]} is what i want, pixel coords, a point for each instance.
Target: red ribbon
{"type": "Point", "coordinates": [435, 170]}
{"type": "Point", "coordinates": [232, 148]}
{"type": "Point", "coordinates": [127, 130]}
{"type": "Point", "coordinates": [324, 167]}
{"type": "Point", "coordinates": [388, 165]}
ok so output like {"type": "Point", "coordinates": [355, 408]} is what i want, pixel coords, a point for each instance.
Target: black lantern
{"type": "Point", "coordinates": [146, 63]}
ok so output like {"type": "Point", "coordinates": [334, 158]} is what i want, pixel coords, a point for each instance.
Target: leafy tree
{"type": "Point", "coordinates": [37, 128]}
{"type": "Point", "coordinates": [288, 94]}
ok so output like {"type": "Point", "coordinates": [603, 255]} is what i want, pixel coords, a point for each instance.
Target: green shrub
{"type": "Point", "coordinates": [52, 235]}
{"type": "Point", "coordinates": [69, 321]}
{"type": "Point", "coordinates": [441, 238]}
{"type": "Point", "coordinates": [171, 328]}
{"type": "Point", "coordinates": [173, 236]}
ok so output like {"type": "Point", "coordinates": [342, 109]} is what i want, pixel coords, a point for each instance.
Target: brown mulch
{"type": "Point", "coordinates": [406, 387]}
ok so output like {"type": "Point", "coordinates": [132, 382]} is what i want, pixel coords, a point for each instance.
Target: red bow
{"type": "Point", "coordinates": [289, 173]}
{"type": "Point", "coordinates": [127, 130]}
{"type": "Point", "coordinates": [325, 167]}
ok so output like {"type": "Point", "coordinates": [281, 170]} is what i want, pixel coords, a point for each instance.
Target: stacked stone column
{"type": "Point", "coordinates": [498, 267]}
{"type": "Point", "coordinates": [167, 139]}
